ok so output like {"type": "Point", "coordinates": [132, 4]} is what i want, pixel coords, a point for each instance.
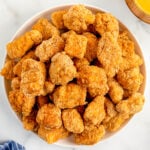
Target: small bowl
{"type": "Point", "coordinates": [138, 11]}
{"type": "Point", "coordinates": [68, 142]}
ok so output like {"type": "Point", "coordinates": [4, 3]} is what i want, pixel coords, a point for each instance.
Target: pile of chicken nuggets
{"type": "Point", "coordinates": [75, 74]}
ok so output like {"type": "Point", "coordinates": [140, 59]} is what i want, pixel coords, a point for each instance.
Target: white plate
{"type": "Point", "coordinates": [68, 142]}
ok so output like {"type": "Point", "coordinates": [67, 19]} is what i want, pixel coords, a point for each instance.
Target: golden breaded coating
{"type": "Point", "coordinates": [57, 18]}
{"type": "Point", "coordinates": [45, 28]}
{"type": "Point", "coordinates": [7, 70]}
{"type": "Point", "coordinates": [48, 87]}
{"type": "Point", "coordinates": [79, 63]}
{"type": "Point", "coordinates": [94, 78]}
{"type": "Point", "coordinates": [91, 135]}
{"type": "Point", "coordinates": [130, 79]}
{"type": "Point", "coordinates": [49, 116]}
{"type": "Point", "coordinates": [18, 47]}
{"type": "Point", "coordinates": [109, 54]}
{"type": "Point", "coordinates": [76, 45]}
{"type": "Point", "coordinates": [69, 96]}
{"type": "Point", "coordinates": [52, 135]}
{"type": "Point", "coordinates": [130, 58]}
{"type": "Point", "coordinates": [72, 120]}
{"type": "Point", "coordinates": [131, 62]}
{"type": "Point", "coordinates": [126, 44]}
{"type": "Point", "coordinates": [28, 104]}
{"type": "Point", "coordinates": [110, 110]}
{"type": "Point", "coordinates": [49, 48]}
{"type": "Point", "coordinates": [16, 99]}
{"type": "Point", "coordinates": [18, 67]}
{"type": "Point", "coordinates": [32, 77]}
{"type": "Point", "coordinates": [15, 83]}
{"type": "Point", "coordinates": [115, 91]}
{"type": "Point", "coordinates": [42, 100]}
{"type": "Point", "coordinates": [127, 94]}
{"type": "Point", "coordinates": [116, 122]}
{"type": "Point", "coordinates": [65, 35]}
{"type": "Point", "coordinates": [78, 18]}
{"type": "Point", "coordinates": [131, 105]}
{"type": "Point", "coordinates": [21, 103]}
{"type": "Point", "coordinates": [91, 49]}
{"type": "Point", "coordinates": [95, 111]}
{"type": "Point", "coordinates": [105, 22]}
{"type": "Point", "coordinates": [62, 69]}
{"type": "Point", "coordinates": [96, 90]}
{"type": "Point", "coordinates": [89, 75]}
{"type": "Point", "coordinates": [29, 122]}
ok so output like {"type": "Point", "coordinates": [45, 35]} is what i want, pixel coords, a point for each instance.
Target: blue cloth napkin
{"type": "Point", "coordinates": [11, 145]}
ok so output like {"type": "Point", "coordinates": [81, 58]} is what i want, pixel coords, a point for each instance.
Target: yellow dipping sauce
{"type": "Point", "coordinates": [144, 5]}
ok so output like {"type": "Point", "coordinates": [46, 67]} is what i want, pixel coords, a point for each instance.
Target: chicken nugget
{"type": "Point", "coordinates": [131, 105]}
{"type": "Point", "coordinates": [96, 90]}
{"type": "Point", "coordinates": [94, 78]}
{"type": "Point", "coordinates": [52, 135]}
{"type": "Point", "coordinates": [18, 67]}
{"type": "Point", "coordinates": [32, 77]}
{"type": "Point", "coordinates": [15, 83]}
{"type": "Point", "coordinates": [45, 28]}
{"type": "Point", "coordinates": [95, 112]}
{"type": "Point", "coordinates": [28, 104]}
{"type": "Point", "coordinates": [42, 100]}
{"type": "Point", "coordinates": [130, 62]}
{"type": "Point", "coordinates": [79, 63]}
{"type": "Point", "coordinates": [49, 116]}
{"type": "Point", "coordinates": [109, 54]}
{"type": "Point", "coordinates": [7, 70]}
{"type": "Point", "coordinates": [72, 120]}
{"type": "Point", "coordinates": [105, 22]}
{"type": "Point", "coordinates": [130, 58]}
{"type": "Point", "coordinates": [116, 91]}
{"type": "Point", "coordinates": [76, 45]}
{"type": "Point", "coordinates": [69, 96]}
{"type": "Point", "coordinates": [29, 122]}
{"type": "Point", "coordinates": [116, 122]}
{"type": "Point", "coordinates": [127, 93]}
{"type": "Point", "coordinates": [78, 18]}
{"type": "Point", "coordinates": [65, 35]}
{"type": "Point", "coordinates": [16, 99]}
{"type": "Point", "coordinates": [21, 104]}
{"type": "Point", "coordinates": [48, 87]}
{"type": "Point", "coordinates": [126, 44]}
{"type": "Point", "coordinates": [18, 47]}
{"type": "Point", "coordinates": [57, 18]}
{"type": "Point", "coordinates": [49, 48]}
{"type": "Point", "coordinates": [62, 69]}
{"type": "Point", "coordinates": [110, 110]}
{"type": "Point", "coordinates": [130, 79]}
{"type": "Point", "coordinates": [91, 135]}
{"type": "Point", "coordinates": [91, 49]}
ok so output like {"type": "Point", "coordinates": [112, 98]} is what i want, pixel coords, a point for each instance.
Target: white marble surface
{"type": "Point", "coordinates": [13, 13]}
